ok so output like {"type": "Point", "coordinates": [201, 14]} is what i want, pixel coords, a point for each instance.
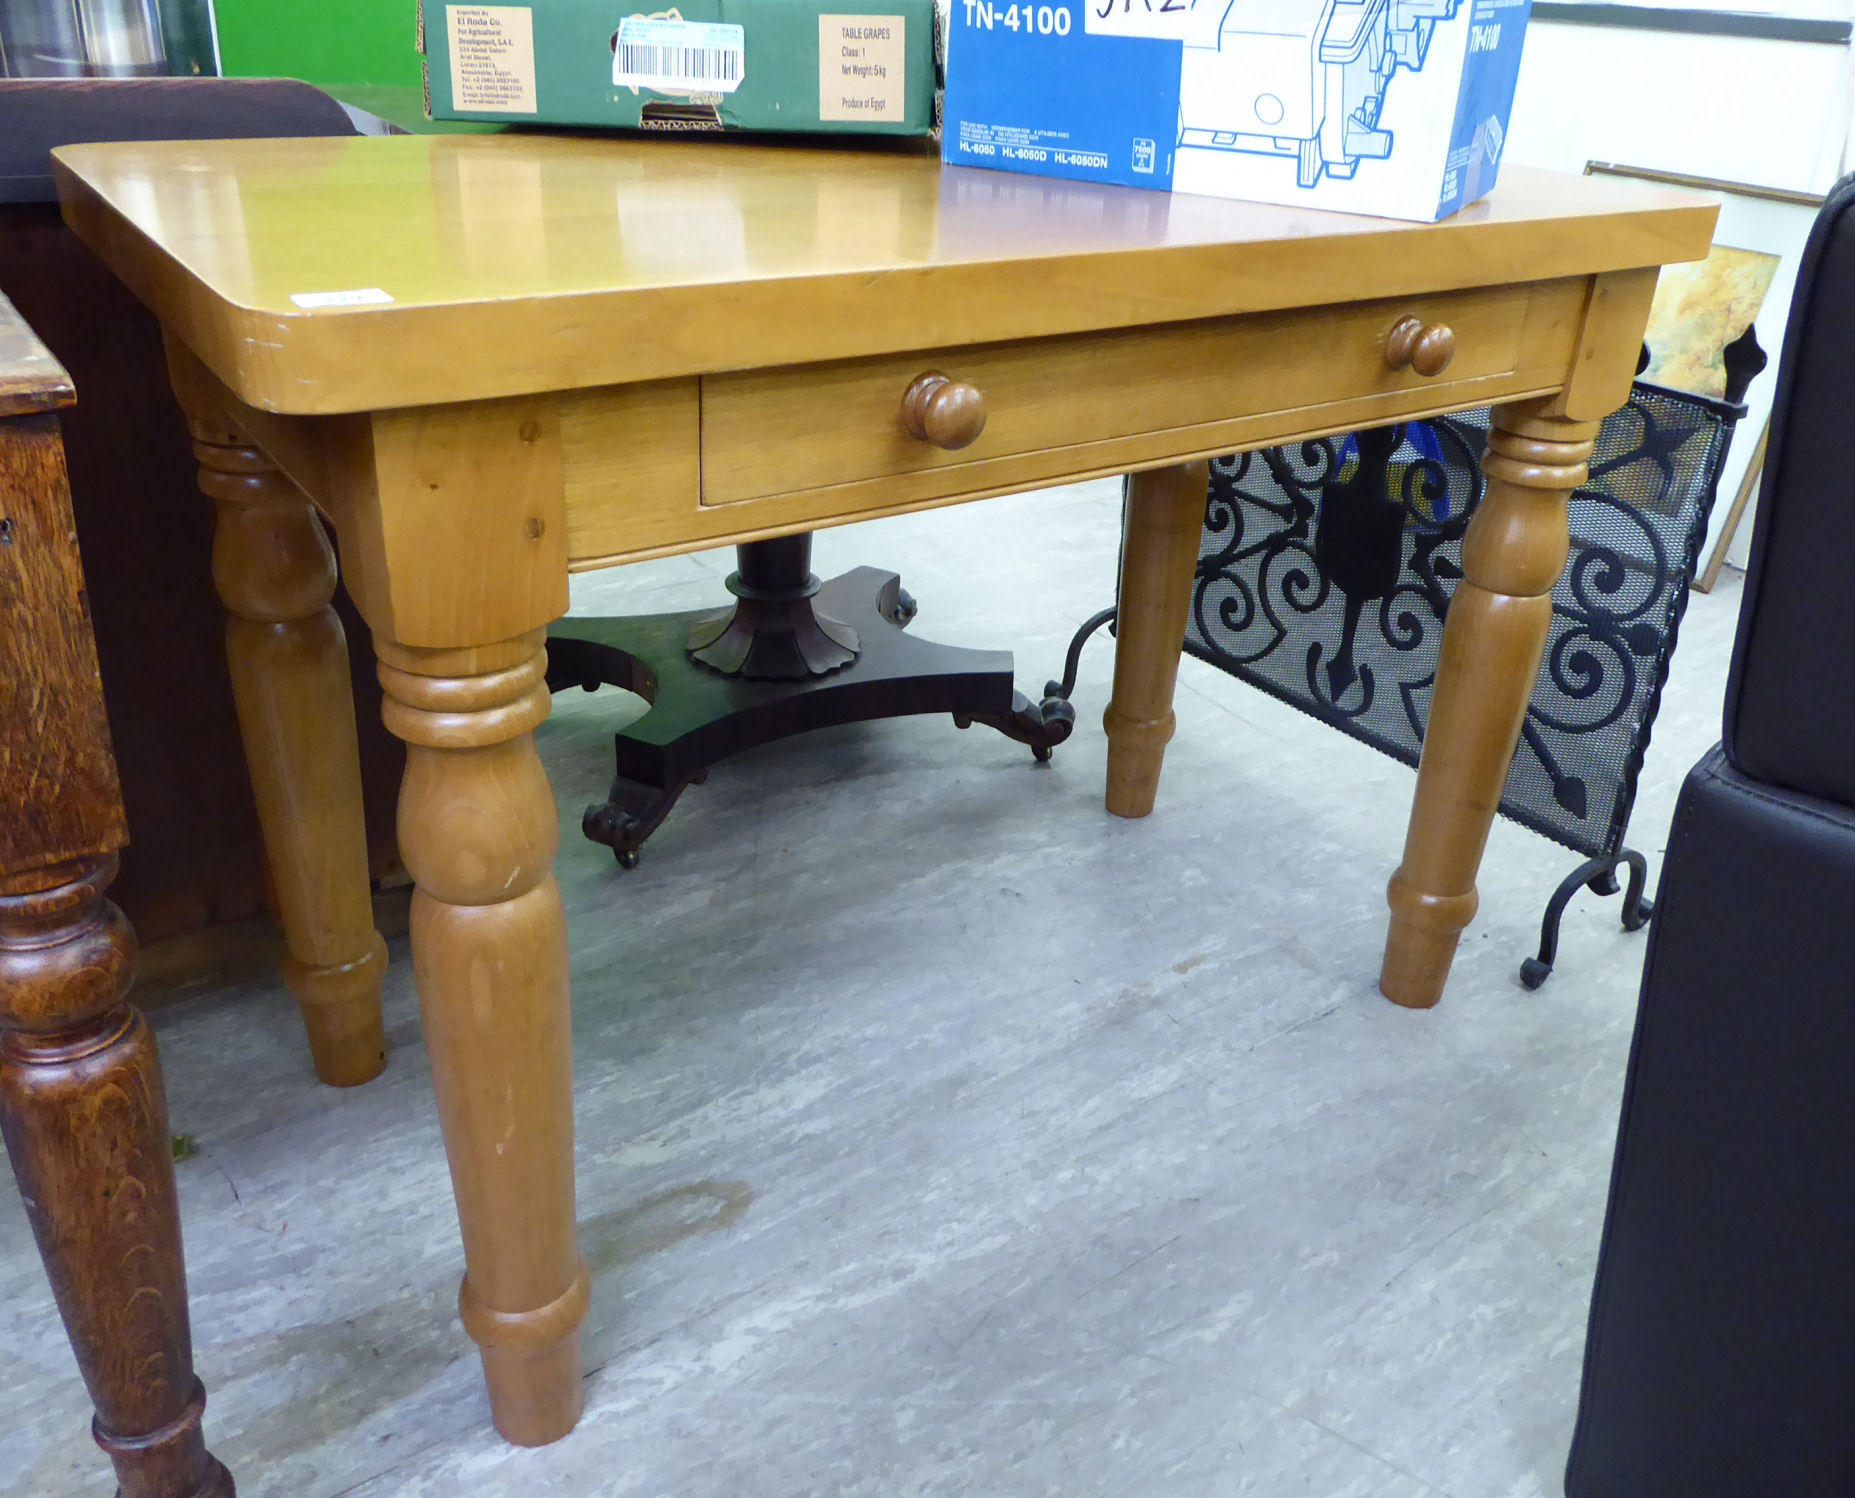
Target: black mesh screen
{"type": "Point", "coordinates": [1326, 568]}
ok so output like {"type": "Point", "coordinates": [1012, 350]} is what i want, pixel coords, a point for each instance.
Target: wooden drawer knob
{"type": "Point", "coordinates": [946, 412]}
{"type": "Point", "coordinates": [1424, 347]}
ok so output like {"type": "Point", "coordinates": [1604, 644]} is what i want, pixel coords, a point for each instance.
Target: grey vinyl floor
{"type": "Point", "coordinates": [939, 1134]}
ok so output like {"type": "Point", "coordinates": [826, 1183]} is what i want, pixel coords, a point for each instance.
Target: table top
{"type": "Point", "coordinates": [30, 378]}
{"type": "Point", "coordinates": [352, 274]}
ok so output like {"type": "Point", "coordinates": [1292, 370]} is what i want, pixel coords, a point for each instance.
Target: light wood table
{"type": "Point", "coordinates": [492, 361]}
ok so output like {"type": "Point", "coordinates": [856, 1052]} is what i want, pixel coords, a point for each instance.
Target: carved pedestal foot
{"type": "Point", "coordinates": [699, 716]}
{"type": "Point", "coordinates": [630, 813]}
{"type": "Point", "coordinates": [776, 631]}
{"type": "Point", "coordinates": [1042, 725]}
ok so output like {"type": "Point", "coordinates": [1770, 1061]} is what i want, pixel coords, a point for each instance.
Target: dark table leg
{"type": "Point", "coordinates": [85, 1121]}
{"type": "Point", "coordinates": [81, 1104]}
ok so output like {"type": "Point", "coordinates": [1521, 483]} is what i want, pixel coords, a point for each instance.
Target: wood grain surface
{"type": "Point", "coordinates": [580, 261]}
{"type": "Point", "coordinates": [81, 1103]}
{"type": "Point", "coordinates": [1493, 639]}
{"type": "Point", "coordinates": [275, 573]}
{"type": "Point", "coordinates": [489, 950]}
{"type": "Point", "coordinates": [61, 801]}
{"type": "Point", "coordinates": [85, 1121]}
{"type": "Point", "coordinates": [30, 378]}
{"type": "Point", "coordinates": [782, 430]}
{"type": "Point", "coordinates": [1159, 545]}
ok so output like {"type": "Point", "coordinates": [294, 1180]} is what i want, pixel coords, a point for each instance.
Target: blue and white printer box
{"type": "Point", "coordinates": [1390, 107]}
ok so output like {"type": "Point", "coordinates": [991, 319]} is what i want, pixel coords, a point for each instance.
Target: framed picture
{"type": "Point", "coordinates": [1747, 280]}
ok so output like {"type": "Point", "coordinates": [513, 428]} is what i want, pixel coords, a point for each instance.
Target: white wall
{"type": "Point", "coordinates": [1809, 10]}
{"type": "Point", "coordinates": [1775, 114]}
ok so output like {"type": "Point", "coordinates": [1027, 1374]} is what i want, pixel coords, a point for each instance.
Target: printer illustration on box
{"type": "Point", "coordinates": [1312, 77]}
{"type": "Point", "coordinates": [1395, 107]}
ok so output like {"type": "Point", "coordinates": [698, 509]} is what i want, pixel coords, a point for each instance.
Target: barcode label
{"type": "Point", "coordinates": [698, 65]}
{"type": "Point", "coordinates": [678, 56]}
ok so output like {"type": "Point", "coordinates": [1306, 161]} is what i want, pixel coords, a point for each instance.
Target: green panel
{"type": "Point", "coordinates": [565, 50]}
{"type": "Point", "coordinates": [187, 34]}
{"type": "Point", "coordinates": [325, 42]}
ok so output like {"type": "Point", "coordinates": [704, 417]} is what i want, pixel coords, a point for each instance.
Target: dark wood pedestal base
{"type": "Point", "coordinates": [700, 716]}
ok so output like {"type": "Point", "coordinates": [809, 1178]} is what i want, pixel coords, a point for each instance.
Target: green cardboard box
{"type": "Point", "coordinates": [858, 66]}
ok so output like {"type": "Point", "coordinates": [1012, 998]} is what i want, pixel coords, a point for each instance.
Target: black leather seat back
{"type": "Point", "coordinates": [1790, 703]}
{"type": "Point", "coordinates": [38, 114]}
{"type": "Point", "coordinates": [1721, 1356]}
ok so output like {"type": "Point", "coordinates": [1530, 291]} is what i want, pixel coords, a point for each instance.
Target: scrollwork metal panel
{"type": "Point", "coordinates": [1326, 569]}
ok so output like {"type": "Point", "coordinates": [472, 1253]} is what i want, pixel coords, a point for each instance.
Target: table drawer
{"type": "Point", "coordinates": [774, 432]}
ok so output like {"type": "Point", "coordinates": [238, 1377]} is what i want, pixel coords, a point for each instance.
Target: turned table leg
{"type": "Point", "coordinates": [478, 829]}
{"type": "Point", "coordinates": [275, 571]}
{"type": "Point", "coordinates": [86, 1126]}
{"type": "Point", "coordinates": [1159, 552]}
{"type": "Point", "coordinates": [1493, 639]}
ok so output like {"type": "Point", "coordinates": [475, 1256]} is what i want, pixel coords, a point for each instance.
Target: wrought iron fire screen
{"type": "Point", "coordinates": [1326, 568]}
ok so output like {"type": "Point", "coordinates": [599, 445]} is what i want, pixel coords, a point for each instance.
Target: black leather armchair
{"type": "Point", "coordinates": [1720, 1361]}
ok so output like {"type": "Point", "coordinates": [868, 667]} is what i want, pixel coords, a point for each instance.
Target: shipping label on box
{"type": "Point", "coordinates": [1390, 107]}
{"type": "Point", "coordinates": [789, 65]}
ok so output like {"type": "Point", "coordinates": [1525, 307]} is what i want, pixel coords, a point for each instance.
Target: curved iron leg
{"type": "Point", "coordinates": [1072, 663]}
{"type": "Point", "coordinates": [1598, 874]}
{"type": "Point", "coordinates": [1636, 910]}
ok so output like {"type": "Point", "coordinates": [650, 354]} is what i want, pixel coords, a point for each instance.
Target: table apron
{"type": "Point", "coordinates": [678, 465]}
